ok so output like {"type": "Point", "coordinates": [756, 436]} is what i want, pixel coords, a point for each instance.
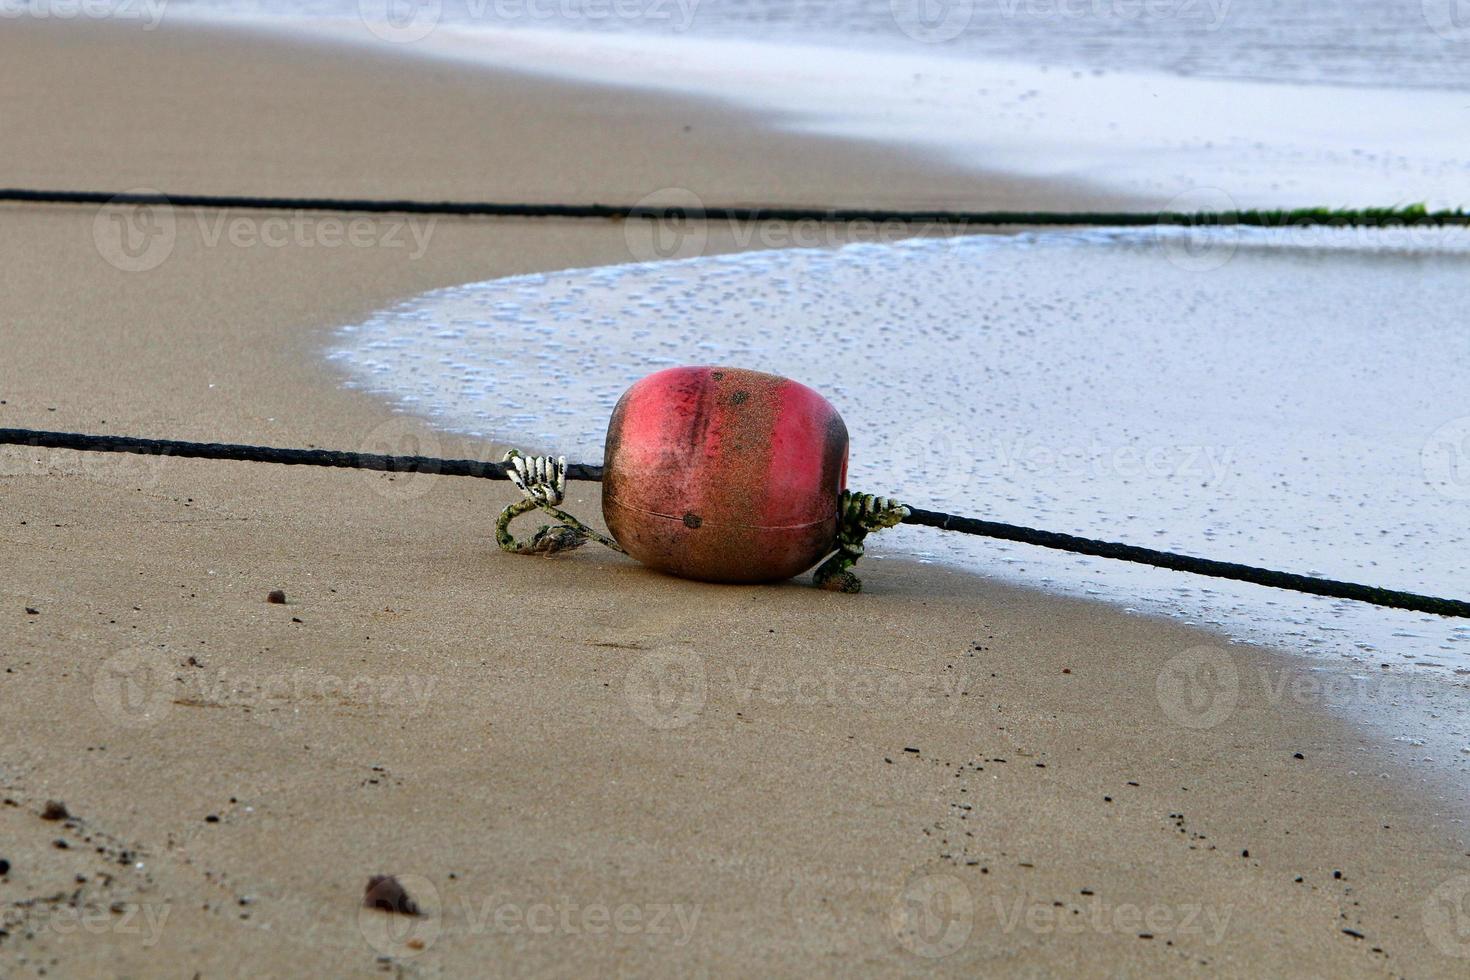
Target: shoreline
{"type": "Point", "coordinates": [370, 130]}
{"type": "Point", "coordinates": [1407, 693]}
{"type": "Point", "coordinates": [429, 355]}
{"type": "Point", "coordinates": [1131, 135]}
{"type": "Point", "coordinates": [575, 732]}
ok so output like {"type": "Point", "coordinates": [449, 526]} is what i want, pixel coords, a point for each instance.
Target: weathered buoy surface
{"type": "Point", "coordinates": [723, 474]}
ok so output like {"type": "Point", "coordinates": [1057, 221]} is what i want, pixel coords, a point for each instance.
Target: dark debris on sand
{"type": "Point", "coordinates": [385, 892]}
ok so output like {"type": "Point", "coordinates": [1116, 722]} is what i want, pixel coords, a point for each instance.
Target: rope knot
{"type": "Point", "coordinates": [542, 481]}
{"type": "Point", "coordinates": [858, 515]}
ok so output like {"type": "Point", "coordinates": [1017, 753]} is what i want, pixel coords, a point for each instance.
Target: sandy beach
{"type": "Point", "coordinates": [572, 764]}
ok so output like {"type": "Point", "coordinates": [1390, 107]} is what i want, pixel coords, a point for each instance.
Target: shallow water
{"type": "Point", "coordinates": [1394, 43]}
{"type": "Point", "coordinates": [1283, 398]}
{"type": "Point", "coordinates": [1175, 105]}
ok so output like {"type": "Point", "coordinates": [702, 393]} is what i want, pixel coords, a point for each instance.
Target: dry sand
{"type": "Point", "coordinates": [573, 764]}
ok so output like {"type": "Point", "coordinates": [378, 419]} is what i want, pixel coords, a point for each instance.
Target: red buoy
{"type": "Point", "coordinates": [723, 474]}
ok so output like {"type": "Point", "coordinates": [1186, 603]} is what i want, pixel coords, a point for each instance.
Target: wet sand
{"type": "Point", "coordinates": [571, 764]}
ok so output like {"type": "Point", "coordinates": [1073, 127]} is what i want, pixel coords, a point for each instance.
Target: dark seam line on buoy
{"type": "Point", "coordinates": [705, 522]}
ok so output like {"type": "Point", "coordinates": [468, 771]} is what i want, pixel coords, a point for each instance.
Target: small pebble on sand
{"type": "Point", "coordinates": [385, 892]}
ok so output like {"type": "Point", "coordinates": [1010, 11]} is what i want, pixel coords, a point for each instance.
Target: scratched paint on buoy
{"type": "Point", "coordinates": [1286, 398]}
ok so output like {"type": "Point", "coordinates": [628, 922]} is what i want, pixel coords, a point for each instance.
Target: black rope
{"type": "Point", "coordinates": [267, 454]}
{"type": "Point", "coordinates": [1187, 563]}
{"type": "Point", "coordinates": [924, 518]}
{"type": "Point", "coordinates": [1294, 217]}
